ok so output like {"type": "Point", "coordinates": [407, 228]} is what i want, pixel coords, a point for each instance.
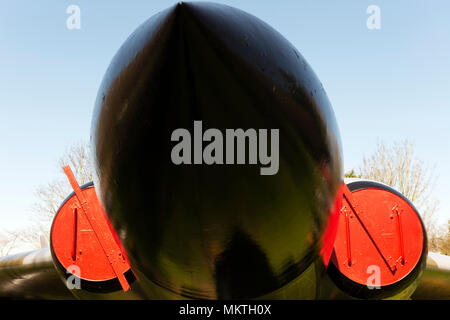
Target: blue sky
{"type": "Point", "coordinates": [384, 85]}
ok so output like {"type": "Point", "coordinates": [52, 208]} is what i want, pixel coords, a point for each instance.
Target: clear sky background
{"type": "Point", "coordinates": [384, 85]}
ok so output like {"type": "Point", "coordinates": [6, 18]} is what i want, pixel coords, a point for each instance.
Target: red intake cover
{"type": "Point", "coordinates": [378, 229]}
{"type": "Point", "coordinates": [81, 236]}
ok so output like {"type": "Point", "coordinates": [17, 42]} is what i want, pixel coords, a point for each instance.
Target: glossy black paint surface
{"type": "Point", "coordinates": [219, 231]}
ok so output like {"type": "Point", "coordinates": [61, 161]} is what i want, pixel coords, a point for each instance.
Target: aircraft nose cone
{"type": "Point", "coordinates": [207, 227]}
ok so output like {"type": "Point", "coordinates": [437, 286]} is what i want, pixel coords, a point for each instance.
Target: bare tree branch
{"type": "Point", "coordinates": [50, 196]}
{"type": "Point", "coordinates": [398, 167]}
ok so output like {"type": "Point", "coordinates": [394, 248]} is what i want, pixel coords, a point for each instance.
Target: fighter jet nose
{"type": "Point", "coordinates": [217, 154]}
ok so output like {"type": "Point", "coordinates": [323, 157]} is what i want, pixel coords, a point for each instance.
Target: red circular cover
{"type": "Point", "coordinates": [74, 241]}
{"type": "Point", "coordinates": [384, 234]}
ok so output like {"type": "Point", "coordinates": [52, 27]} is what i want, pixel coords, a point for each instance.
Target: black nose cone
{"type": "Point", "coordinates": [215, 230]}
